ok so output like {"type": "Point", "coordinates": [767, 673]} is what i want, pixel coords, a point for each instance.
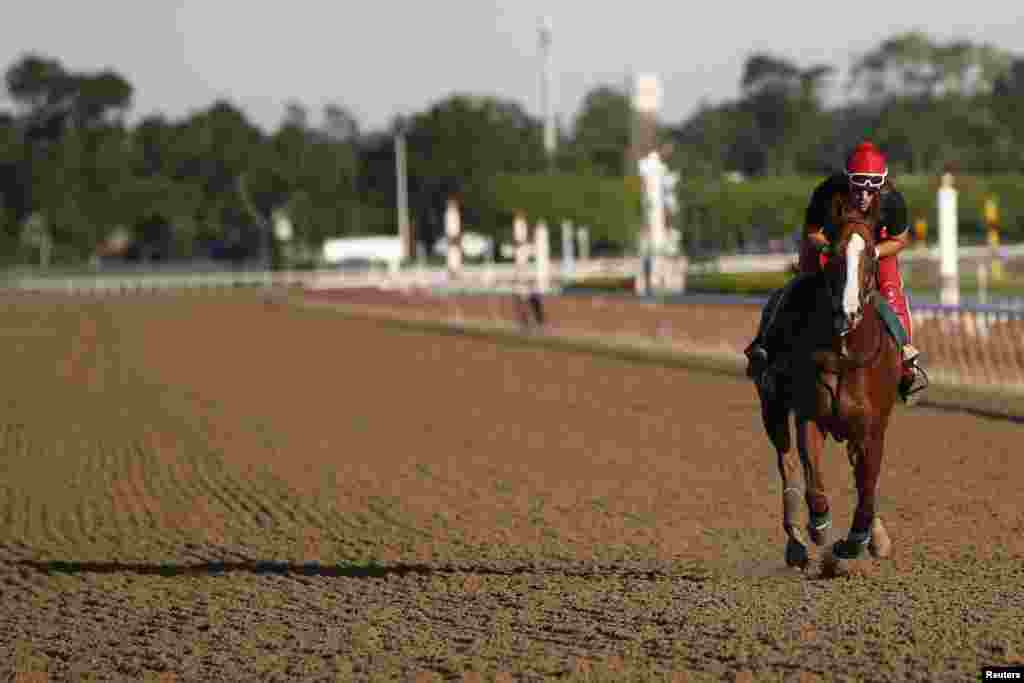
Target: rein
{"type": "Point", "coordinates": [856, 360]}
{"type": "Point", "coordinates": [847, 360]}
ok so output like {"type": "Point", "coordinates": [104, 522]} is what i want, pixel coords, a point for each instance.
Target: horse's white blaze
{"type": "Point", "coordinates": [851, 292]}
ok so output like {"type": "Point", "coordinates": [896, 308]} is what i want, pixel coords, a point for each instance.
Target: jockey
{"type": "Point", "coordinates": [866, 180]}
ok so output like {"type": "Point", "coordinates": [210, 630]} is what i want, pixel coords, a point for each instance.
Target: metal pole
{"type": "Point", "coordinates": [546, 102]}
{"type": "Point", "coordinates": [403, 198]}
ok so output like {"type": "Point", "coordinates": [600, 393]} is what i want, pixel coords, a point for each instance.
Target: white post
{"type": "Point", "coordinates": [489, 275]}
{"type": "Point", "coordinates": [542, 252]}
{"type": "Point", "coordinates": [519, 233]}
{"type": "Point", "coordinates": [643, 278]}
{"type": "Point", "coordinates": [421, 264]}
{"type": "Point", "coordinates": [568, 259]}
{"type": "Point", "coordinates": [45, 247]}
{"type": "Point", "coordinates": [452, 230]}
{"type": "Point", "coordinates": [404, 235]}
{"type": "Point", "coordinates": [583, 240]}
{"type": "Point", "coordinates": [948, 238]}
{"type": "Point", "coordinates": [652, 170]}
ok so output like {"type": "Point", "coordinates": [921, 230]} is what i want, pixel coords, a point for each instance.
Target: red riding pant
{"type": "Point", "coordinates": [890, 284]}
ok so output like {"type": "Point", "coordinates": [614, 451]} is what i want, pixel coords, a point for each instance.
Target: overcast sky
{"type": "Point", "coordinates": [383, 57]}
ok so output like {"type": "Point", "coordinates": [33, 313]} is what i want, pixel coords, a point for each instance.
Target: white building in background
{"type": "Point", "coordinates": [374, 249]}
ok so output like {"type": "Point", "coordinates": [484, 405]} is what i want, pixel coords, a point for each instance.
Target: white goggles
{"type": "Point", "coordinates": [866, 181]}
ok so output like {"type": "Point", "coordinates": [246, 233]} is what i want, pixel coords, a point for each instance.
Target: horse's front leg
{"type": "Point", "coordinates": [810, 442]}
{"type": "Point", "coordinates": [775, 414]}
{"type": "Point", "coordinates": [867, 529]}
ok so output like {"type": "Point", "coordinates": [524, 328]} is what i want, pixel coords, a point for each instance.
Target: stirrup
{"type": "Point", "coordinates": [756, 353]}
{"type": "Point", "coordinates": [910, 354]}
{"type": "Point", "coordinates": [911, 387]}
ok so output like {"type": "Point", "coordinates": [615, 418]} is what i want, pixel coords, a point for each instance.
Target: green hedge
{"type": "Point", "coordinates": [610, 207]}
{"type": "Point", "coordinates": [736, 283]}
{"type": "Point", "coordinates": [718, 213]}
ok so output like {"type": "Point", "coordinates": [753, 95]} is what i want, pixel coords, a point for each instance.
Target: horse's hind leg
{"type": "Point", "coordinates": [811, 442]}
{"type": "Point", "coordinates": [775, 415]}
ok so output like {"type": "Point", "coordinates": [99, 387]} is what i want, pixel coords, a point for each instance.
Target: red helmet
{"type": "Point", "coordinates": [866, 167]}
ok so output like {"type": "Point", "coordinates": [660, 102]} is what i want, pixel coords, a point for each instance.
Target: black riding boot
{"type": "Point", "coordinates": [757, 358]}
{"type": "Point", "coordinates": [757, 352]}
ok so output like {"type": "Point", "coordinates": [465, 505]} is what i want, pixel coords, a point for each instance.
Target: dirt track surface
{"type": "Point", "coordinates": [215, 488]}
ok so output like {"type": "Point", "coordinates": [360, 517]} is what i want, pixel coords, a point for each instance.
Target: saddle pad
{"type": "Point", "coordinates": [890, 319]}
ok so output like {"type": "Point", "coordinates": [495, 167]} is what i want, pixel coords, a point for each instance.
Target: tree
{"type": "Point", "coordinates": [601, 133]}
{"type": "Point", "coordinates": [36, 82]}
{"type": "Point", "coordinates": [912, 65]}
{"type": "Point", "coordinates": [295, 115]}
{"type": "Point", "coordinates": [712, 142]}
{"type": "Point", "coordinates": [53, 98]}
{"type": "Point", "coordinates": [455, 147]}
{"type": "Point", "coordinates": [340, 124]}
{"type": "Point", "coordinates": [784, 102]}
{"type": "Point", "coordinates": [97, 97]}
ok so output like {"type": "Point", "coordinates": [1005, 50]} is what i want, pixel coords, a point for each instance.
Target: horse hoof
{"type": "Point", "coordinates": [847, 550]}
{"type": "Point", "coordinates": [820, 529]}
{"type": "Point", "coordinates": [796, 554]}
{"type": "Point", "coordinates": [880, 545]}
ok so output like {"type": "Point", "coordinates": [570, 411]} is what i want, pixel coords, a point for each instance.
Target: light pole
{"type": "Point", "coordinates": [546, 101]}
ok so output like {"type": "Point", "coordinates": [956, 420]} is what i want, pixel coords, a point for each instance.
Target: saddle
{"type": "Point", "coordinates": [779, 363]}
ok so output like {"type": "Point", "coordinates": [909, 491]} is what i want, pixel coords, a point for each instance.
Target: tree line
{"type": "Point", "coordinates": [930, 105]}
{"type": "Point", "coordinates": [76, 174]}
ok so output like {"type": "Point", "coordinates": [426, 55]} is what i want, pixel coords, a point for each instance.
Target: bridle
{"type": "Point", "coordinates": [867, 290]}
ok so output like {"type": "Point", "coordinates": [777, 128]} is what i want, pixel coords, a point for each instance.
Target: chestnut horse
{"type": "Point", "coordinates": [837, 370]}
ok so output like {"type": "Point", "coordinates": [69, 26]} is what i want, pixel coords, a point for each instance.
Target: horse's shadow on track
{"type": "Point", "coordinates": [316, 569]}
{"type": "Point", "coordinates": [371, 570]}
{"type": "Point", "coordinates": [253, 567]}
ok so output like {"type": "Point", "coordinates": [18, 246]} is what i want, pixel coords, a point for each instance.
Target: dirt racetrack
{"type": "Point", "coordinates": [218, 488]}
